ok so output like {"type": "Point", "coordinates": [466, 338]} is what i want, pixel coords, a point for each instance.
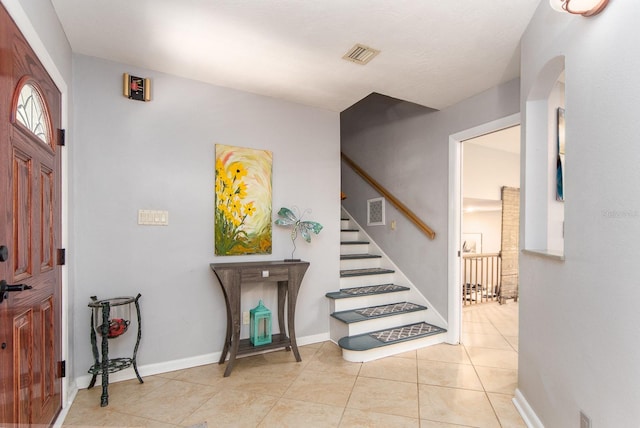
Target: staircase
{"type": "Point", "coordinates": [372, 316]}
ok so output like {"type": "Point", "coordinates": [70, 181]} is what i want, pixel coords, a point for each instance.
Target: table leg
{"type": "Point", "coordinates": [234, 314]}
{"type": "Point", "coordinates": [227, 339]}
{"type": "Point", "coordinates": [282, 298]}
{"type": "Point", "coordinates": [104, 397]}
{"type": "Point", "coordinates": [96, 355]}
{"type": "Point", "coordinates": [135, 349]}
{"type": "Point", "coordinates": [291, 317]}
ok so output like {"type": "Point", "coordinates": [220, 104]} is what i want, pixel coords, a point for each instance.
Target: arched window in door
{"type": "Point", "coordinates": [30, 111]}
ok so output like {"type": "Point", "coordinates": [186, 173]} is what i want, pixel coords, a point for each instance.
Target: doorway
{"type": "Point", "coordinates": [455, 234]}
{"type": "Point", "coordinates": [490, 216]}
{"type": "Point", "coordinates": [488, 331]}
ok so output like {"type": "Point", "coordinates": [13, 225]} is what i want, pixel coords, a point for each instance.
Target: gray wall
{"type": "Point", "coordinates": [406, 149]}
{"type": "Point", "coordinates": [579, 317]}
{"type": "Point", "coordinates": [131, 155]}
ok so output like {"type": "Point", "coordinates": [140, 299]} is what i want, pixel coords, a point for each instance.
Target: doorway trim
{"type": "Point", "coordinates": [21, 18]}
{"type": "Point", "coordinates": [455, 217]}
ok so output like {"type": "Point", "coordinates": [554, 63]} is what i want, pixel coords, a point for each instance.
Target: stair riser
{"type": "Point", "coordinates": [354, 249]}
{"type": "Point", "coordinates": [361, 281]}
{"type": "Point", "coordinates": [340, 329]}
{"type": "Point", "coordinates": [339, 305]}
{"type": "Point", "coordinates": [359, 263]}
{"type": "Point", "coordinates": [349, 236]}
{"type": "Point", "coordinates": [397, 348]}
{"type": "Point", "coordinates": [383, 323]}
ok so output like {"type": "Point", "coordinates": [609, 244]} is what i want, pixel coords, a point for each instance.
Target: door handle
{"type": "Point", "coordinates": [6, 288]}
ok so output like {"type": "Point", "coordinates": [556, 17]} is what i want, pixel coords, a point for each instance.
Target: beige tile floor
{"type": "Point", "coordinates": [470, 385]}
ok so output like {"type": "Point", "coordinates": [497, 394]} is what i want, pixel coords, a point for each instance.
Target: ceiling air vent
{"type": "Point", "coordinates": [360, 54]}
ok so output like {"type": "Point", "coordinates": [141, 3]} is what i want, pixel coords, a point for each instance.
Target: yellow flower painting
{"type": "Point", "coordinates": [242, 201]}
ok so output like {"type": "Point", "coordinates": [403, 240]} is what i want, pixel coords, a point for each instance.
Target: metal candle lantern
{"type": "Point", "coordinates": [260, 325]}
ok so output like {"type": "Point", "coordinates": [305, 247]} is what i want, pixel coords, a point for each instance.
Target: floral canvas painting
{"type": "Point", "coordinates": [242, 201]}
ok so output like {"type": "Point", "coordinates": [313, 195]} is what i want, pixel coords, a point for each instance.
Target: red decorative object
{"type": "Point", "coordinates": [117, 326]}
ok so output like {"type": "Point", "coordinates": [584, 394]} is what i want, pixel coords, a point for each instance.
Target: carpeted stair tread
{"type": "Point", "coordinates": [373, 312]}
{"type": "Point", "coordinates": [365, 271]}
{"type": "Point", "coordinates": [359, 256]}
{"type": "Point", "coordinates": [354, 242]}
{"type": "Point", "coordinates": [377, 339]}
{"type": "Point", "coordinates": [367, 290]}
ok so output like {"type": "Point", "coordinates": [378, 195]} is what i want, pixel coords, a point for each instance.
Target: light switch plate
{"type": "Point", "coordinates": [153, 217]}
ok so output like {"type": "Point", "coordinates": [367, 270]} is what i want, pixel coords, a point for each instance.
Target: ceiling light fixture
{"type": "Point", "coordinates": [579, 7]}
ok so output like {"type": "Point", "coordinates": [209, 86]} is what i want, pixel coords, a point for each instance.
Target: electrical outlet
{"type": "Point", "coordinates": [585, 422]}
{"type": "Point", "coordinates": [245, 317]}
{"type": "Point", "coordinates": [393, 225]}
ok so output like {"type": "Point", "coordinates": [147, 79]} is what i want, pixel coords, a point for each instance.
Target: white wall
{"type": "Point", "coordinates": [409, 155]}
{"type": "Point", "coordinates": [579, 318]}
{"type": "Point", "coordinates": [489, 223]}
{"type": "Point", "coordinates": [485, 171]}
{"type": "Point", "coordinates": [131, 155]}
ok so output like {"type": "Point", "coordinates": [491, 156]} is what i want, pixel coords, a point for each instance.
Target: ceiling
{"type": "Point", "coordinates": [433, 52]}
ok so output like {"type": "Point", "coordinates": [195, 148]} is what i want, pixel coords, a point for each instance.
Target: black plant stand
{"type": "Point", "coordinates": [103, 364]}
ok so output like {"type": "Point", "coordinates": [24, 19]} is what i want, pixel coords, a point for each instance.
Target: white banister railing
{"type": "Point", "coordinates": [481, 277]}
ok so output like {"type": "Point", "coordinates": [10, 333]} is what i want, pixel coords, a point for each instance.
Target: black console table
{"type": "Point", "coordinates": [232, 277]}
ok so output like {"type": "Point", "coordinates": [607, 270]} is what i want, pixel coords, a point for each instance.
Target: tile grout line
{"type": "Point", "coordinates": [350, 394]}
{"type": "Point", "coordinates": [418, 387]}
{"type": "Point", "coordinates": [493, 317]}
{"type": "Point", "coordinates": [491, 321]}
{"type": "Point", "coordinates": [484, 389]}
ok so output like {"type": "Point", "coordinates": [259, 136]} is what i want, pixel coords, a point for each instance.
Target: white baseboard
{"type": "Point", "coordinates": [82, 382]}
{"type": "Point", "coordinates": [73, 391]}
{"type": "Point", "coordinates": [152, 369]}
{"type": "Point", "coordinates": [526, 411]}
{"type": "Point", "coordinates": [316, 338]}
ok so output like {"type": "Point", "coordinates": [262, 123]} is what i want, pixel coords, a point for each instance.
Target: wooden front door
{"type": "Point", "coordinates": [30, 322]}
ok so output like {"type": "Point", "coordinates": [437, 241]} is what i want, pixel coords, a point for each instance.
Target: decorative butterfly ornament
{"type": "Point", "coordinates": [289, 219]}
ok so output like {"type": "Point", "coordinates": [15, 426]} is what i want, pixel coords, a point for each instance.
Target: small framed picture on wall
{"type": "Point", "coordinates": [472, 243]}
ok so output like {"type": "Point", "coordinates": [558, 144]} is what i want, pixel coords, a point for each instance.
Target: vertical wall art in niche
{"type": "Point", "coordinates": [243, 201]}
{"type": "Point", "coordinates": [560, 161]}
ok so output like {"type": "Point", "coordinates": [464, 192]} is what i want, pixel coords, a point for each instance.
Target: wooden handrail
{"type": "Point", "coordinates": [394, 201]}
